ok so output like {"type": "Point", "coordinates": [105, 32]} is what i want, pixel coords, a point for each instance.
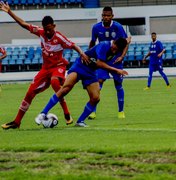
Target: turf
{"type": "Point", "coordinates": [141, 146]}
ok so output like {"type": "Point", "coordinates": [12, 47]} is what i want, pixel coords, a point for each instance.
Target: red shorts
{"type": "Point", "coordinates": [42, 80]}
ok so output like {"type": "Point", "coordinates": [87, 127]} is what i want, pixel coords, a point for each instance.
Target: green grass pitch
{"type": "Point", "coordinates": [141, 146]}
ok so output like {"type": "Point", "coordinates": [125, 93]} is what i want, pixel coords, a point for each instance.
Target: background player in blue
{"type": "Point", "coordinates": [86, 71]}
{"type": "Point", "coordinates": [108, 30]}
{"type": "Point", "coordinates": [155, 62]}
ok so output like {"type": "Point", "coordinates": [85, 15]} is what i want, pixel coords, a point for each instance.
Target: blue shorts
{"type": "Point", "coordinates": [85, 74]}
{"type": "Point", "coordinates": [155, 67]}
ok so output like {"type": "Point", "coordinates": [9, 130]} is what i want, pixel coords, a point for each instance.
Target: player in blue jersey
{"type": "Point", "coordinates": [155, 62]}
{"type": "Point", "coordinates": [108, 30]}
{"type": "Point", "coordinates": [99, 56]}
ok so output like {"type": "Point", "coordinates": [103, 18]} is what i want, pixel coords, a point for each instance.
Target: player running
{"type": "Point", "coordinates": [108, 30]}
{"type": "Point", "coordinates": [54, 65]}
{"type": "Point", "coordinates": [155, 63]}
{"type": "Point", "coordinates": [100, 56]}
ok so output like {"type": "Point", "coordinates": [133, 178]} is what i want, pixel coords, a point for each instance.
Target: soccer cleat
{"type": "Point", "coordinates": [81, 124]}
{"type": "Point", "coordinates": [168, 86]}
{"type": "Point", "coordinates": [10, 125]}
{"type": "Point", "coordinates": [92, 116]}
{"type": "Point", "coordinates": [68, 119]}
{"type": "Point", "coordinates": [121, 115]}
{"type": "Point", "coordinates": [40, 118]}
{"type": "Point", "coordinates": [146, 88]}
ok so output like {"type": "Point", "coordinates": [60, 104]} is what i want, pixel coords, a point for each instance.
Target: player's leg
{"type": "Point", "coordinates": [94, 95]}
{"type": "Point", "coordinates": [56, 85]}
{"type": "Point", "coordinates": [120, 98]}
{"type": "Point", "coordinates": [164, 77]}
{"type": "Point", "coordinates": [69, 83]}
{"type": "Point", "coordinates": [102, 75]}
{"type": "Point", "coordinates": [149, 78]}
{"type": "Point", "coordinates": [38, 85]}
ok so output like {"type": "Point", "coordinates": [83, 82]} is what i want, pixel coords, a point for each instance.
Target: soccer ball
{"type": "Point", "coordinates": [50, 121]}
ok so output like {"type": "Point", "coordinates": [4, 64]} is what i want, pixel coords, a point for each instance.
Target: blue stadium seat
{"type": "Point", "coordinates": [23, 2]}
{"type": "Point", "coordinates": [36, 2]}
{"type": "Point", "coordinates": [51, 2]}
{"type": "Point", "coordinates": [16, 2]}
{"type": "Point", "coordinates": [30, 2]}
{"type": "Point", "coordinates": [44, 2]}
{"type": "Point", "coordinates": [59, 2]}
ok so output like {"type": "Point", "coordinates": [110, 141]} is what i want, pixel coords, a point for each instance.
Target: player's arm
{"type": "Point", "coordinates": [103, 65]}
{"type": "Point", "coordinates": [6, 8]}
{"type": "Point", "coordinates": [91, 44]}
{"type": "Point", "coordinates": [145, 57]}
{"type": "Point", "coordinates": [161, 53]}
{"type": "Point", "coordinates": [84, 57]}
{"type": "Point", "coordinates": [3, 55]}
{"type": "Point", "coordinates": [119, 59]}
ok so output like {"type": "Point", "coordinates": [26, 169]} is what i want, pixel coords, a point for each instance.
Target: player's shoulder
{"type": "Point", "coordinates": [115, 23]}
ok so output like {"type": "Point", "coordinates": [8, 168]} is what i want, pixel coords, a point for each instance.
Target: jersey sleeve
{"type": "Point", "coordinates": [66, 43]}
{"type": "Point", "coordinates": [35, 29]}
{"type": "Point", "coordinates": [121, 32]}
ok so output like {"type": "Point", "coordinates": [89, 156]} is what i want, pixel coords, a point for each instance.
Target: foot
{"type": "Point", "coordinates": [40, 118]}
{"type": "Point", "coordinates": [92, 116]}
{"type": "Point", "coordinates": [68, 119]}
{"type": "Point", "coordinates": [81, 124]}
{"type": "Point", "coordinates": [10, 125]}
{"type": "Point", "coordinates": [146, 88]}
{"type": "Point", "coordinates": [121, 115]}
{"type": "Point", "coordinates": [168, 86]}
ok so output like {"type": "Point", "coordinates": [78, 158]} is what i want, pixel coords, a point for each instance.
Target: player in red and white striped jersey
{"type": "Point", "coordinates": [2, 52]}
{"type": "Point", "coordinates": [54, 65]}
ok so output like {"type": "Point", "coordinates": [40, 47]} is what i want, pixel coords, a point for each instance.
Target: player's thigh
{"type": "Point", "coordinates": [40, 82]}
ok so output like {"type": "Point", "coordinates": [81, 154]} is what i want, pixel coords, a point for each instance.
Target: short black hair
{"type": "Point", "coordinates": [153, 33]}
{"type": "Point", "coordinates": [47, 20]}
{"type": "Point", "coordinates": [120, 43]}
{"type": "Point", "coordinates": [107, 8]}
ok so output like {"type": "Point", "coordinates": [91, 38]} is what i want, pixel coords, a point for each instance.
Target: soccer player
{"type": "Point", "coordinates": [100, 56]}
{"type": "Point", "coordinates": [108, 30]}
{"type": "Point", "coordinates": [54, 65]}
{"type": "Point", "coordinates": [2, 52]}
{"type": "Point", "coordinates": [155, 62]}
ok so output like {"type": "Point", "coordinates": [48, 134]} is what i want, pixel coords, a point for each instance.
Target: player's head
{"type": "Point", "coordinates": [118, 45]}
{"type": "Point", "coordinates": [153, 36]}
{"type": "Point", "coordinates": [107, 15]}
{"type": "Point", "coordinates": [48, 26]}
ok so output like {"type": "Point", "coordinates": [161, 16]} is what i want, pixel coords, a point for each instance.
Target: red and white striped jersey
{"type": "Point", "coordinates": [52, 49]}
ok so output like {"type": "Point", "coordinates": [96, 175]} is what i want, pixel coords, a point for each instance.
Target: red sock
{"type": "Point", "coordinates": [24, 106]}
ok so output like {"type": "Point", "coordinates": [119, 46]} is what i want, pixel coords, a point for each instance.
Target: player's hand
{"type": "Point", "coordinates": [85, 58]}
{"type": "Point", "coordinates": [4, 6]}
{"type": "Point", "coordinates": [128, 40]}
{"type": "Point", "coordinates": [122, 72]}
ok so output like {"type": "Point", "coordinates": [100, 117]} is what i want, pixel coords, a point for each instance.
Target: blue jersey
{"type": "Point", "coordinates": [102, 33]}
{"type": "Point", "coordinates": [155, 48]}
{"type": "Point", "coordinates": [87, 73]}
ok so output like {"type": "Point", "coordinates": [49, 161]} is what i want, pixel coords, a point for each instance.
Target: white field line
{"type": "Point", "coordinates": [125, 129]}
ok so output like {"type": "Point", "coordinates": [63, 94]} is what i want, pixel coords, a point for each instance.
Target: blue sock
{"type": "Point", "coordinates": [52, 102]}
{"type": "Point", "coordinates": [164, 77]}
{"type": "Point", "coordinates": [120, 96]}
{"type": "Point", "coordinates": [87, 110]}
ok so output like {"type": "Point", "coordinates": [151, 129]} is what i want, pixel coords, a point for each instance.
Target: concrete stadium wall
{"type": "Point", "coordinates": [78, 22]}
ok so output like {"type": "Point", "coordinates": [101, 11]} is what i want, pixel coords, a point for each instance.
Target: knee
{"type": "Point", "coordinates": [95, 99]}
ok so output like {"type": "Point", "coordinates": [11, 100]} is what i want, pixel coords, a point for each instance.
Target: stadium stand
{"type": "Point", "coordinates": [27, 58]}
